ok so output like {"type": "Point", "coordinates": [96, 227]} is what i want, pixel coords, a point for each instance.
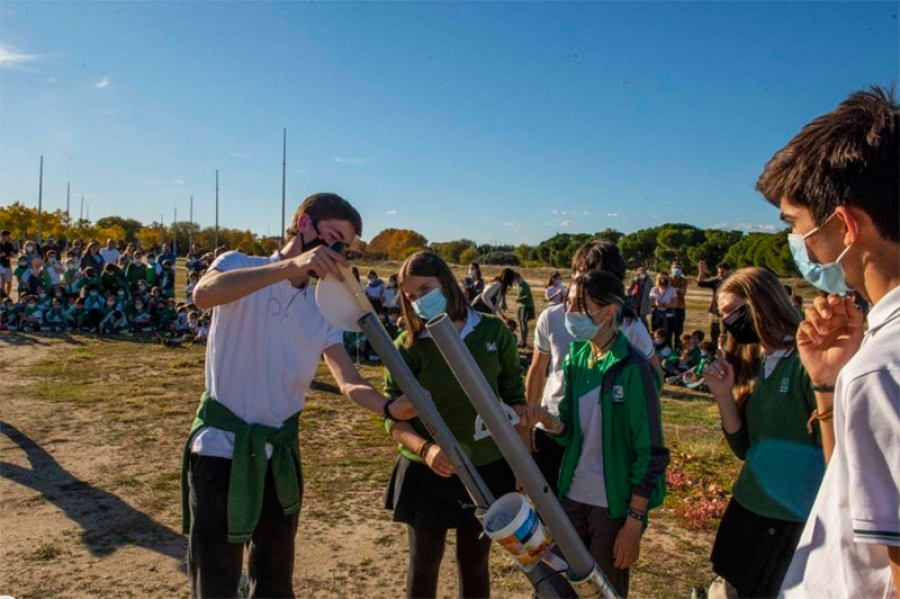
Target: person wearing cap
{"type": "Point", "coordinates": [7, 253]}
{"type": "Point", "coordinates": [241, 477]}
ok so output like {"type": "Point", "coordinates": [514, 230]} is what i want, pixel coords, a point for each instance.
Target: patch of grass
{"type": "Point", "coordinates": [45, 553]}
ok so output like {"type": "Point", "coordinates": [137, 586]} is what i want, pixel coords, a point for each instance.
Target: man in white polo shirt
{"type": "Point", "coordinates": [110, 253]}
{"type": "Point", "coordinates": [241, 477]}
{"type": "Point", "coordinates": [838, 186]}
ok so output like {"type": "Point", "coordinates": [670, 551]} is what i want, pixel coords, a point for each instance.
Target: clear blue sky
{"type": "Point", "coordinates": [504, 122]}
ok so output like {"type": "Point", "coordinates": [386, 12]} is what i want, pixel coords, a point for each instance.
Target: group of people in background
{"type": "Point", "coordinates": [84, 287]}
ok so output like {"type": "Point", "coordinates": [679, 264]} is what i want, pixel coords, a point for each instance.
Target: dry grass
{"type": "Point", "coordinates": [109, 418]}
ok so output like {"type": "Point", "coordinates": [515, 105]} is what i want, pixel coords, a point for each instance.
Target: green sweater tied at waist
{"type": "Point", "coordinates": [248, 467]}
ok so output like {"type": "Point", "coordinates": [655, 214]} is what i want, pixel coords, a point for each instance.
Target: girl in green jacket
{"type": "Point", "coordinates": [767, 405]}
{"type": "Point", "coordinates": [424, 492]}
{"type": "Point", "coordinates": [613, 470]}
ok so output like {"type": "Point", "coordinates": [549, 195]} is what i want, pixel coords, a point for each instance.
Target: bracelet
{"type": "Point", "coordinates": [823, 388]}
{"type": "Point", "coordinates": [633, 513]}
{"type": "Point", "coordinates": [386, 409]}
{"type": "Point", "coordinates": [826, 415]}
{"type": "Point", "coordinates": [424, 449]}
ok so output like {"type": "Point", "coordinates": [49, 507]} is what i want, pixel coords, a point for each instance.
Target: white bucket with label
{"type": "Point", "coordinates": [513, 523]}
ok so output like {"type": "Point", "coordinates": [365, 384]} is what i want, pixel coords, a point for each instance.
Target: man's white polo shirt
{"type": "Point", "coordinates": [842, 552]}
{"type": "Point", "coordinates": [262, 354]}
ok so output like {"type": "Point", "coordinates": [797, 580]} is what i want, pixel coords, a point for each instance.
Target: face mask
{"type": "Point", "coordinates": [830, 278]}
{"type": "Point", "coordinates": [151, 262]}
{"type": "Point", "coordinates": [642, 275]}
{"type": "Point", "coordinates": [663, 282]}
{"type": "Point", "coordinates": [372, 280]}
{"type": "Point", "coordinates": [120, 293]}
{"type": "Point", "coordinates": [93, 293]}
{"type": "Point", "coordinates": [658, 342]}
{"type": "Point", "coordinates": [676, 272]}
{"type": "Point", "coordinates": [580, 326]}
{"type": "Point", "coordinates": [472, 274]}
{"type": "Point", "coordinates": [739, 325]}
{"type": "Point", "coordinates": [138, 307]}
{"type": "Point", "coordinates": [32, 306]}
{"type": "Point", "coordinates": [29, 249]}
{"type": "Point", "coordinates": [703, 356]}
{"type": "Point", "coordinates": [70, 265]}
{"type": "Point", "coordinates": [430, 305]}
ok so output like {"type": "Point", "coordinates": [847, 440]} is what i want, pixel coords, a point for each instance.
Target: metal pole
{"type": "Point", "coordinates": [540, 576]}
{"type": "Point", "coordinates": [283, 184]}
{"type": "Point", "coordinates": [584, 575]}
{"type": "Point", "coordinates": [40, 200]}
{"type": "Point", "coordinates": [217, 208]}
{"type": "Point", "coordinates": [81, 213]}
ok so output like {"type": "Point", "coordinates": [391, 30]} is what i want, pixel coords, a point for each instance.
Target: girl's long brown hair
{"type": "Point", "coordinates": [774, 319]}
{"type": "Point", "coordinates": [429, 264]}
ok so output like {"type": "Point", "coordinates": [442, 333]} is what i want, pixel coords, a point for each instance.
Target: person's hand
{"type": "Point", "coordinates": [701, 267]}
{"type": "Point", "coordinates": [829, 337]}
{"type": "Point", "coordinates": [320, 261]}
{"type": "Point", "coordinates": [402, 409]}
{"type": "Point", "coordinates": [719, 376]}
{"type": "Point", "coordinates": [436, 460]}
{"type": "Point", "coordinates": [529, 416]}
{"type": "Point", "coordinates": [627, 547]}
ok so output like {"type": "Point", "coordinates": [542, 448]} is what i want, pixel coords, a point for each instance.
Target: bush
{"type": "Point", "coordinates": [499, 258]}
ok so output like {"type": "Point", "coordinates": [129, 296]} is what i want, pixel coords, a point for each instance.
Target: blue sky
{"type": "Point", "coordinates": [496, 121]}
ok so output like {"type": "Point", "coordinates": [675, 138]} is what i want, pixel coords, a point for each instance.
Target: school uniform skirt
{"type": "Point", "coordinates": [419, 497]}
{"type": "Point", "coordinates": [753, 552]}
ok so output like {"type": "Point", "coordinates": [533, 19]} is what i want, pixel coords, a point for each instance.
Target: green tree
{"type": "Point", "coordinates": [638, 248]}
{"type": "Point", "coordinates": [129, 225]}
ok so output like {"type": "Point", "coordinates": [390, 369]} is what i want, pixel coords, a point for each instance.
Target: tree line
{"type": "Point", "coordinates": [654, 248]}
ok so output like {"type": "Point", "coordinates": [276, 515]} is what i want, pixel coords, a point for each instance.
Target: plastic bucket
{"type": "Point", "coordinates": [513, 523]}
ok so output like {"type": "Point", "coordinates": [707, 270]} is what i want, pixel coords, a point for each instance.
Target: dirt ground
{"type": "Point", "coordinates": [90, 448]}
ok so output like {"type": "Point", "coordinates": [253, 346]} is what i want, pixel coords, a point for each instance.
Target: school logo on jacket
{"type": "Point", "coordinates": [491, 346]}
{"type": "Point", "coordinates": [618, 394]}
{"type": "Point", "coordinates": [785, 383]}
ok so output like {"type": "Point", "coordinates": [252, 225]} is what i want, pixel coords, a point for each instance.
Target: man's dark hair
{"type": "Point", "coordinates": [599, 254]}
{"type": "Point", "coordinates": [325, 206]}
{"type": "Point", "coordinates": [4, 232]}
{"type": "Point", "coordinates": [723, 266]}
{"type": "Point", "coordinates": [846, 157]}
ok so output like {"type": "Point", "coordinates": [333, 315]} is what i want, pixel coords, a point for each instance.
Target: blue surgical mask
{"type": "Point", "coordinates": [676, 272]}
{"type": "Point", "coordinates": [830, 278]}
{"type": "Point", "coordinates": [430, 305]}
{"type": "Point", "coordinates": [580, 326]}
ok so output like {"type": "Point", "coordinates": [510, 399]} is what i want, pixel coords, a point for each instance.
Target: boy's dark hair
{"type": "Point", "coordinates": [166, 263]}
{"type": "Point", "coordinates": [325, 206]}
{"type": "Point", "coordinates": [599, 254]}
{"type": "Point", "coordinates": [603, 287]}
{"type": "Point", "coordinates": [708, 346]}
{"type": "Point", "coordinates": [4, 233]}
{"type": "Point", "coordinates": [723, 266]}
{"type": "Point", "coordinates": [659, 333]}
{"type": "Point", "coordinates": [699, 335]}
{"type": "Point", "coordinates": [846, 157]}
{"type": "Point", "coordinates": [89, 271]}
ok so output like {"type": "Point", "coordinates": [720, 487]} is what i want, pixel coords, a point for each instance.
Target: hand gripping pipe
{"type": "Point", "coordinates": [584, 575]}
{"type": "Point", "coordinates": [482, 497]}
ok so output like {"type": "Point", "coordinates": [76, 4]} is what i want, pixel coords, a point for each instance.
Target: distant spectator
{"type": "Point", "coordinates": [722, 270]}
{"type": "Point", "coordinates": [680, 284]}
{"type": "Point", "coordinates": [525, 312]}
{"type": "Point", "coordinates": [167, 254]}
{"type": "Point", "coordinates": [7, 254]}
{"type": "Point", "coordinates": [663, 299]}
{"type": "Point", "coordinates": [639, 296]}
{"type": "Point", "coordinates": [136, 271]}
{"type": "Point", "coordinates": [55, 269]}
{"type": "Point", "coordinates": [390, 292]}
{"type": "Point", "coordinates": [375, 291]}
{"type": "Point", "coordinates": [474, 283]}
{"type": "Point", "coordinates": [92, 257]}
{"type": "Point", "coordinates": [555, 293]}
{"type": "Point", "coordinates": [110, 253]}
{"type": "Point", "coordinates": [167, 279]}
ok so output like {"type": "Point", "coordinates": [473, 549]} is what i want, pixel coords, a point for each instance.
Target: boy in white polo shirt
{"type": "Point", "coordinates": [242, 482]}
{"type": "Point", "coordinates": [838, 186]}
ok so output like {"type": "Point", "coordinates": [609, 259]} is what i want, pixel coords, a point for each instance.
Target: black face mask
{"type": "Point", "coordinates": [337, 246]}
{"type": "Point", "coordinates": [739, 325]}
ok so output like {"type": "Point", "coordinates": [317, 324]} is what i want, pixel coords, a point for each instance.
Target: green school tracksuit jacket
{"type": "Point", "coordinates": [634, 456]}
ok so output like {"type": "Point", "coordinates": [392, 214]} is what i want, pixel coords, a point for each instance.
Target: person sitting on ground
{"type": "Point", "coordinates": [167, 279]}
{"type": "Point", "coordinates": [33, 317]}
{"type": "Point", "coordinates": [193, 277]}
{"type": "Point", "coordinates": [91, 279]}
{"type": "Point", "coordinates": [375, 291]}
{"type": "Point", "coordinates": [55, 318]}
{"type": "Point", "coordinates": [390, 292]}
{"type": "Point", "coordinates": [114, 323]}
{"type": "Point", "coordinates": [140, 317]}
{"type": "Point", "coordinates": [661, 345]}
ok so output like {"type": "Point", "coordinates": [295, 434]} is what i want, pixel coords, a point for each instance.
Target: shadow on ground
{"type": "Point", "coordinates": [107, 522]}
